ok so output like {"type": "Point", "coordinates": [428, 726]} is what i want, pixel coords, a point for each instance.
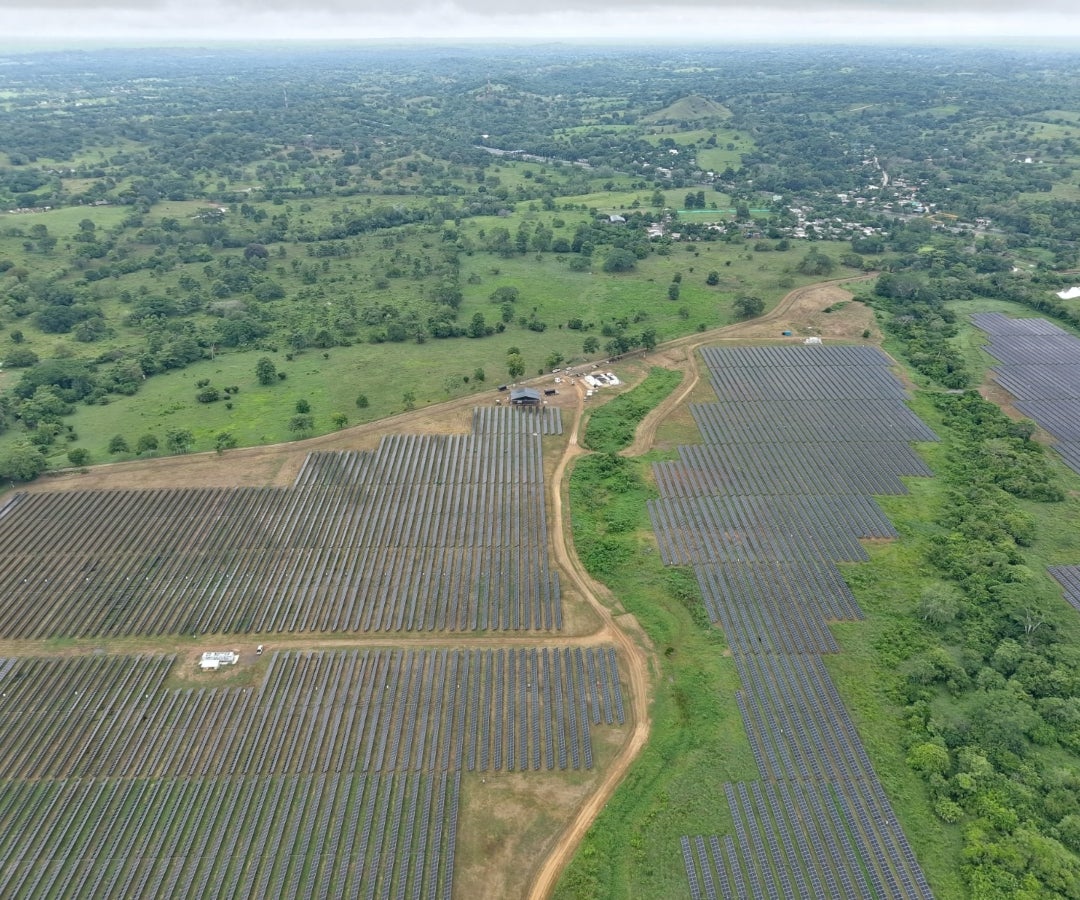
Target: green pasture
{"type": "Point", "coordinates": [697, 741]}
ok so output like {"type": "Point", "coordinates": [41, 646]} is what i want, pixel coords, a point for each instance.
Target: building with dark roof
{"type": "Point", "coordinates": [525, 397]}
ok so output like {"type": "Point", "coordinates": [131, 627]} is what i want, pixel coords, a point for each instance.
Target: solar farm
{"type": "Point", "coordinates": [425, 533]}
{"type": "Point", "coordinates": [1038, 365]}
{"type": "Point", "coordinates": [335, 772]}
{"type": "Point", "coordinates": [778, 493]}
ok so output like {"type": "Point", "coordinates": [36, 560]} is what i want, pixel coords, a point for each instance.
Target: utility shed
{"type": "Point", "coordinates": [525, 397]}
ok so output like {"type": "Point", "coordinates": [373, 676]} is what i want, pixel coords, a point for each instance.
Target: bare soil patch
{"type": "Point", "coordinates": [511, 820]}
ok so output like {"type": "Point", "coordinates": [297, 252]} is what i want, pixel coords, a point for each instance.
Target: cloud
{"type": "Point", "coordinates": [700, 20]}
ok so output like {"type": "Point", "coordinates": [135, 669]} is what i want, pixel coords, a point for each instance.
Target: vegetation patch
{"type": "Point", "coordinates": [697, 741]}
{"type": "Point", "coordinates": [611, 427]}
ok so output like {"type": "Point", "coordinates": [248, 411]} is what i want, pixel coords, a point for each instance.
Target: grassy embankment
{"type": "Point", "coordinates": [670, 787]}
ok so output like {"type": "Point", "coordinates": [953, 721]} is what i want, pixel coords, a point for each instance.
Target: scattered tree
{"type": "Point", "coordinates": [339, 420]}
{"type": "Point", "coordinates": [178, 440]}
{"type": "Point", "coordinates": [265, 370]}
{"type": "Point", "coordinates": [748, 307]}
{"type": "Point", "coordinates": [118, 444]}
{"type": "Point", "coordinates": [362, 401]}
{"type": "Point", "coordinates": [225, 440]}
{"type": "Point", "coordinates": [302, 424]}
{"type": "Point", "coordinates": [408, 400]}
{"type": "Point", "coordinates": [619, 260]}
{"type": "Point", "coordinates": [302, 406]}
{"type": "Point", "coordinates": [146, 443]}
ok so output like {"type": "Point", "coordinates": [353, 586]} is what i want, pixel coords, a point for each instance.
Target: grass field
{"type": "Point", "coordinates": [697, 741]}
{"type": "Point", "coordinates": [436, 370]}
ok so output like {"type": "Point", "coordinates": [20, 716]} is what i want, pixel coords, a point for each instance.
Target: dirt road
{"type": "Point", "coordinates": [635, 664]}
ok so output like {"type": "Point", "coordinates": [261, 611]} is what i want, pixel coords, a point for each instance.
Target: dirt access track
{"type": "Point", "coordinates": [801, 311]}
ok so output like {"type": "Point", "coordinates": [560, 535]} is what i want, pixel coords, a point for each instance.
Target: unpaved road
{"type": "Point", "coordinates": [635, 664]}
{"type": "Point", "coordinates": [801, 309]}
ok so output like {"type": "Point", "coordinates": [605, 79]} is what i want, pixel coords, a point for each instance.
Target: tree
{"type": "Point", "coordinates": [928, 758]}
{"type": "Point", "coordinates": [21, 463]}
{"type": "Point", "coordinates": [339, 419]}
{"type": "Point", "coordinates": [713, 278]}
{"type": "Point", "coordinates": [265, 370]}
{"type": "Point", "coordinates": [225, 440]}
{"type": "Point", "coordinates": [673, 291]}
{"type": "Point", "coordinates": [590, 345]}
{"type": "Point", "coordinates": [619, 260]}
{"type": "Point", "coordinates": [505, 294]}
{"type": "Point", "coordinates": [515, 365]}
{"type": "Point", "coordinates": [78, 456]}
{"type": "Point", "coordinates": [21, 358]}
{"type": "Point", "coordinates": [816, 263]}
{"type": "Point", "coordinates": [177, 440]}
{"type": "Point", "coordinates": [118, 444]}
{"type": "Point", "coordinates": [408, 400]}
{"type": "Point", "coordinates": [479, 374]}
{"type": "Point", "coordinates": [477, 327]}
{"type": "Point", "coordinates": [938, 604]}
{"type": "Point", "coordinates": [302, 406]}
{"type": "Point", "coordinates": [146, 443]}
{"type": "Point", "coordinates": [362, 401]}
{"type": "Point", "coordinates": [302, 424]}
{"type": "Point", "coordinates": [554, 360]}
{"type": "Point", "coordinates": [748, 307]}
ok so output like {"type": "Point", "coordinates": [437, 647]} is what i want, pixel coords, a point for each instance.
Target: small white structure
{"type": "Point", "coordinates": [212, 660]}
{"type": "Point", "coordinates": [1070, 294]}
{"type": "Point", "coordinates": [812, 340]}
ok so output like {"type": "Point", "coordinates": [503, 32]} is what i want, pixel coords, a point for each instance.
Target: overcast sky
{"type": "Point", "coordinates": [970, 21]}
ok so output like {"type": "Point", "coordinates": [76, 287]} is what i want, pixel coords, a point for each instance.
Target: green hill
{"type": "Point", "coordinates": [690, 108]}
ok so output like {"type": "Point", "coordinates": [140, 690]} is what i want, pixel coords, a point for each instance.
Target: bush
{"type": "Point", "coordinates": [78, 456]}
{"type": "Point", "coordinates": [21, 358]}
{"type": "Point", "coordinates": [146, 443]}
{"type": "Point", "coordinates": [208, 395]}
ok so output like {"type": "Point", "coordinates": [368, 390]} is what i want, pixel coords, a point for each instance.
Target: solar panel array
{"type": "Point", "coordinates": [424, 533]}
{"type": "Point", "coordinates": [1069, 579]}
{"type": "Point", "coordinates": [340, 772]}
{"type": "Point", "coordinates": [1040, 366]}
{"type": "Point", "coordinates": [779, 491]}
